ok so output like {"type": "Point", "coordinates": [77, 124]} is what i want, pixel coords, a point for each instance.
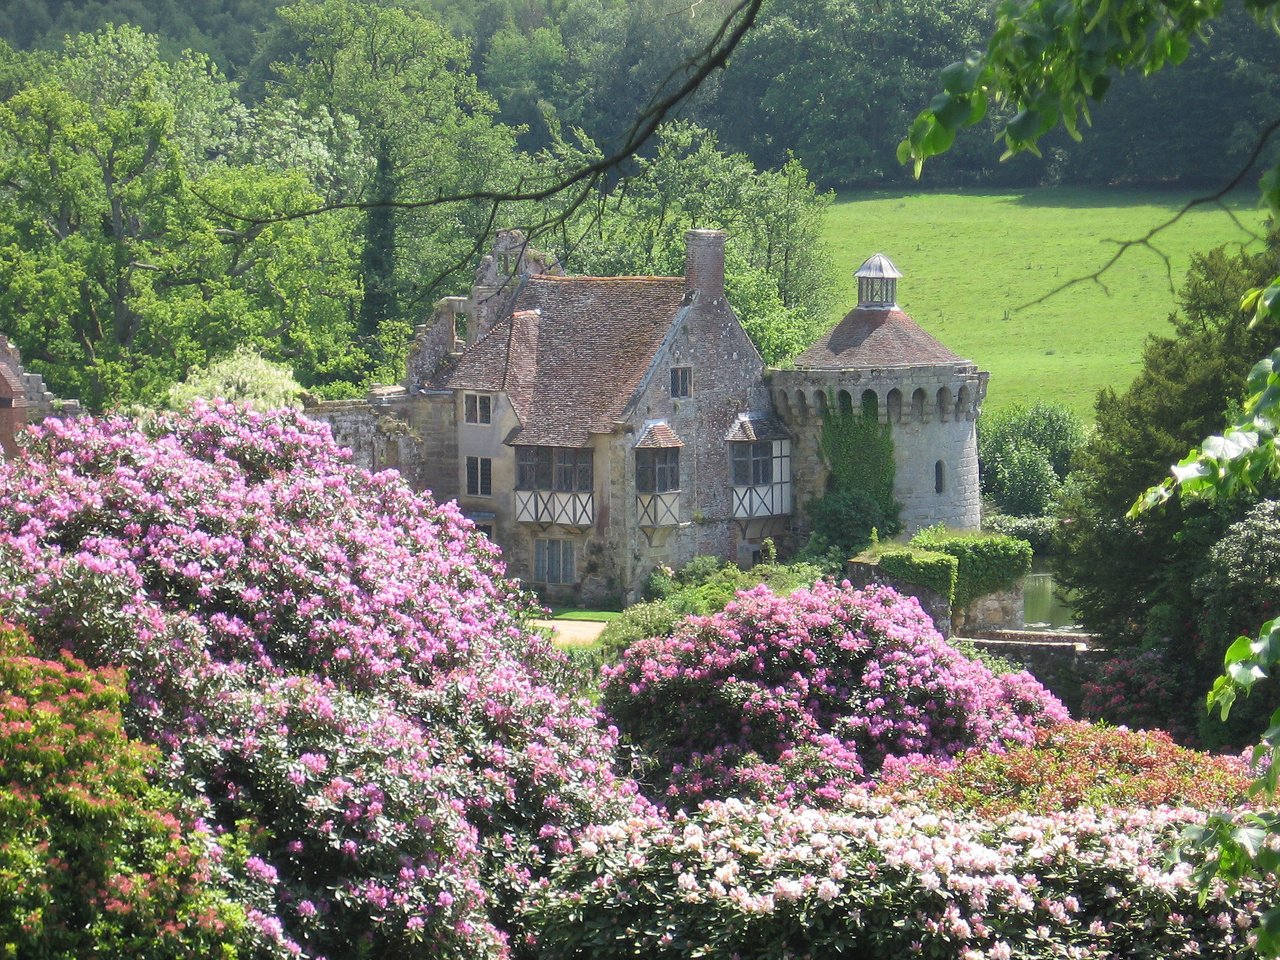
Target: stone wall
{"type": "Point", "coordinates": [24, 398]}
{"type": "Point", "coordinates": [1062, 662]}
{"type": "Point", "coordinates": [1001, 610]}
{"type": "Point", "coordinates": [938, 607]}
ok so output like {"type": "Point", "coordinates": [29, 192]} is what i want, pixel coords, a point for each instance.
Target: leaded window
{"type": "Point", "coordinates": [477, 408]}
{"type": "Point", "coordinates": [553, 561]}
{"type": "Point", "coordinates": [562, 469]}
{"type": "Point", "coordinates": [479, 477]}
{"type": "Point", "coordinates": [658, 470]}
{"type": "Point", "coordinates": [752, 463]}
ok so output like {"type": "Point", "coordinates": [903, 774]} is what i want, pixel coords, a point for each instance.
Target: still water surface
{"type": "Point", "coordinates": [1045, 609]}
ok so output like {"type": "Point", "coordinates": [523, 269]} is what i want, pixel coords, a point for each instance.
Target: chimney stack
{"type": "Point", "coordinates": [704, 263]}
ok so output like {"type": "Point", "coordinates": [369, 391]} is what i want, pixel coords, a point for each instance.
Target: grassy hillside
{"type": "Point", "coordinates": [973, 262]}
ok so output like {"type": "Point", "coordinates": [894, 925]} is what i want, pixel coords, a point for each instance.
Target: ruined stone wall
{"type": "Point", "coordinates": [1062, 662]}
{"type": "Point", "coordinates": [393, 430]}
{"type": "Point", "coordinates": [1001, 610]}
{"type": "Point", "coordinates": [24, 398]}
{"type": "Point", "coordinates": [932, 414]}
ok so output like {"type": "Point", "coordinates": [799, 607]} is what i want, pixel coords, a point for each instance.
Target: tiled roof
{"type": "Point", "coordinates": [756, 426]}
{"type": "Point", "coordinates": [658, 434]}
{"type": "Point", "coordinates": [572, 353]}
{"type": "Point", "coordinates": [874, 338]}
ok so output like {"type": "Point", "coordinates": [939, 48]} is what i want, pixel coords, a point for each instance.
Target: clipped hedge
{"type": "Point", "coordinates": [927, 568]}
{"type": "Point", "coordinates": [986, 562]}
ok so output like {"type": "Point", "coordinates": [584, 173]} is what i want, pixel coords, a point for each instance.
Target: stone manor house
{"type": "Point", "coordinates": [596, 427]}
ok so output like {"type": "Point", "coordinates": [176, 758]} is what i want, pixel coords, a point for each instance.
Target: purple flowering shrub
{"type": "Point", "coordinates": [880, 879]}
{"type": "Point", "coordinates": [330, 662]}
{"type": "Point", "coordinates": [799, 698]}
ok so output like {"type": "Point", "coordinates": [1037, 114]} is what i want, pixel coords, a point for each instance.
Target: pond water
{"type": "Point", "coordinates": [1045, 609]}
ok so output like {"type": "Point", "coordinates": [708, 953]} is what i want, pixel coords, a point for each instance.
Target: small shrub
{"type": "Point", "coordinates": [801, 697]}
{"type": "Point", "coordinates": [986, 562]}
{"type": "Point", "coordinates": [1037, 531]}
{"type": "Point", "coordinates": [95, 860]}
{"type": "Point", "coordinates": [845, 519]}
{"type": "Point", "coordinates": [653, 618]}
{"type": "Point", "coordinates": [1049, 427]}
{"type": "Point", "coordinates": [243, 376]}
{"type": "Point", "coordinates": [1078, 765]}
{"type": "Point", "coordinates": [1143, 690]}
{"type": "Point", "coordinates": [1025, 484]}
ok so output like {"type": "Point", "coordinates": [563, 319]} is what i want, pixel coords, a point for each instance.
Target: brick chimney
{"type": "Point", "coordinates": [704, 264]}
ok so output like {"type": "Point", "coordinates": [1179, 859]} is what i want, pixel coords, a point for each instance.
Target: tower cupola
{"type": "Point", "coordinates": [877, 283]}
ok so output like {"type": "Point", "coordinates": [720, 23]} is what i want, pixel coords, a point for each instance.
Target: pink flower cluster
{"type": "Point", "coordinates": [325, 656]}
{"type": "Point", "coordinates": [882, 880]}
{"type": "Point", "coordinates": [801, 697]}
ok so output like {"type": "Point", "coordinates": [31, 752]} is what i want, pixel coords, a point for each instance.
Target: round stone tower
{"type": "Point", "coordinates": [879, 361]}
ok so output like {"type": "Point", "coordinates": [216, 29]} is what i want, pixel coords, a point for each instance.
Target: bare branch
{"type": "Point", "coordinates": [1217, 198]}
{"type": "Point", "coordinates": [678, 86]}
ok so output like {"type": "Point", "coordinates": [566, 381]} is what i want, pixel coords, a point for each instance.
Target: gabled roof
{"type": "Point", "coordinates": [571, 354]}
{"type": "Point", "coordinates": [870, 337]}
{"type": "Point", "coordinates": [756, 426]}
{"type": "Point", "coordinates": [658, 434]}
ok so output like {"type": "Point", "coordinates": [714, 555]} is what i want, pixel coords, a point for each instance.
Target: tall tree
{"type": "Point", "coordinates": [425, 131]}
{"type": "Point", "coordinates": [117, 272]}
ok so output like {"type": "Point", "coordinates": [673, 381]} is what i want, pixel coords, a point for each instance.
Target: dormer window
{"type": "Point", "coordinates": [681, 381]}
{"type": "Point", "coordinates": [477, 408]}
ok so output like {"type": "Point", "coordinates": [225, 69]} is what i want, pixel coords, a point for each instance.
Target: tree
{"type": "Point", "coordinates": [425, 131]}
{"type": "Point", "coordinates": [776, 272]}
{"type": "Point", "coordinates": [117, 270]}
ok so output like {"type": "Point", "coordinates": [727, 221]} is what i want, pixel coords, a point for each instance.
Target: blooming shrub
{"type": "Point", "coordinates": [1142, 690]}
{"type": "Point", "coordinates": [882, 881]}
{"type": "Point", "coordinates": [801, 697]}
{"type": "Point", "coordinates": [93, 861]}
{"type": "Point", "coordinates": [331, 663]}
{"type": "Point", "coordinates": [1074, 765]}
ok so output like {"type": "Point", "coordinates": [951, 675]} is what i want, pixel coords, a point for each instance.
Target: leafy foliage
{"type": "Point", "coordinates": [800, 697]}
{"type": "Point", "coordinates": [929, 568]}
{"type": "Point", "coordinates": [776, 270]}
{"type": "Point", "coordinates": [242, 377]}
{"type": "Point", "coordinates": [986, 562]}
{"type": "Point", "coordinates": [1024, 453]}
{"type": "Point", "coordinates": [94, 860]}
{"type": "Point", "coordinates": [118, 265]}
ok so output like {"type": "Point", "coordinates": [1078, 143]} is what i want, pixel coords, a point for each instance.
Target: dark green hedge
{"type": "Point", "coordinates": [986, 562]}
{"type": "Point", "coordinates": [928, 568]}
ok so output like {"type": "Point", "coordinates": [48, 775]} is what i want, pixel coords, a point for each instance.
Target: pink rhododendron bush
{"type": "Point", "coordinates": [878, 880]}
{"type": "Point", "coordinates": [799, 698]}
{"type": "Point", "coordinates": [331, 665]}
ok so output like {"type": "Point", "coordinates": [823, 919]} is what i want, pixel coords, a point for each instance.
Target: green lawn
{"type": "Point", "coordinates": [973, 262]}
{"type": "Point", "coordinates": [574, 613]}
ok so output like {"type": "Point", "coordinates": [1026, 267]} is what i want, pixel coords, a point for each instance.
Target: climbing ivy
{"type": "Point", "coordinates": [859, 451]}
{"type": "Point", "coordinates": [986, 562]}
{"type": "Point", "coordinates": [859, 499]}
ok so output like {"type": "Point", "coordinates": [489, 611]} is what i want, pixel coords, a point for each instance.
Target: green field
{"type": "Point", "coordinates": [973, 262]}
